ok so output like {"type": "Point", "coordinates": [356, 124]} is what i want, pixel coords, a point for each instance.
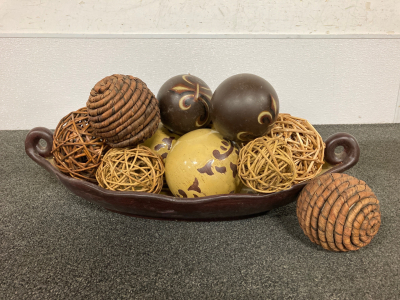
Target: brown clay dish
{"type": "Point", "coordinates": [219, 207]}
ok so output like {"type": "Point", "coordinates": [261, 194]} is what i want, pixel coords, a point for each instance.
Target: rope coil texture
{"type": "Point", "coordinates": [131, 169]}
{"type": "Point", "coordinates": [338, 212]}
{"type": "Point", "coordinates": [123, 110]}
{"type": "Point", "coordinates": [76, 150]}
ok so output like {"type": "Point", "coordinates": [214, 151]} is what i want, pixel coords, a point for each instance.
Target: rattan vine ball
{"type": "Point", "coordinates": [131, 169]}
{"type": "Point", "coordinates": [75, 150]}
{"type": "Point", "coordinates": [338, 212]}
{"type": "Point", "coordinates": [123, 110]}
{"type": "Point", "coordinates": [266, 165]}
{"type": "Point", "coordinates": [305, 142]}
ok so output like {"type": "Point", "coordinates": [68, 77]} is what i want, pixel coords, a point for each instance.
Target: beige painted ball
{"type": "Point", "coordinates": [161, 141]}
{"type": "Point", "coordinates": [202, 163]}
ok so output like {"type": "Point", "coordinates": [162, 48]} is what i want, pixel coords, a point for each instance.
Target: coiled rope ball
{"type": "Point", "coordinates": [305, 142]}
{"type": "Point", "coordinates": [338, 212]}
{"type": "Point", "coordinates": [131, 169]}
{"type": "Point", "coordinates": [266, 165]}
{"type": "Point", "coordinates": [75, 150]}
{"type": "Point", "coordinates": [123, 110]}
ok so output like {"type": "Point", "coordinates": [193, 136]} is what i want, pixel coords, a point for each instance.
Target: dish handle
{"type": "Point", "coordinates": [348, 157]}
{"type": "Point", "coordinates": [36, 151]}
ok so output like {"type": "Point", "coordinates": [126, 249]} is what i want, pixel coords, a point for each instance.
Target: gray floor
{"type": "Point", "coordinates": [54, 245]}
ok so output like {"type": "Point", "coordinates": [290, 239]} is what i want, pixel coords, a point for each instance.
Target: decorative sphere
{"type": "Point", "coordinates": [161, 141]}
{"type": "Point", "coordinates": [131, 169]}
{"type": "Point", "coordinates": [338, 212]}
{"type": "Point", "coordinates": [184, 102]}
{"type": "Point", "coordinates": [202, 163]}
{"type": "Point", "coordinates": [123, 110]}
{"type": "Point", "coordinates": [76, 150]}
{"type": "Point", "coordinates": [243, 107]}
{"type": "Point", "coordinates": [266, 165]}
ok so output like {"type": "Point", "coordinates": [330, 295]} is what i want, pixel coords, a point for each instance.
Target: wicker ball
{"type": "Point", "coordinates": [266, 165]}
{"type": "Point", "coordinates": [76, 151]}
{"type": "Point", "coordinates": [305, 142]}
{"type": "Point", "coordinates": [131, 169]}
{"type": "Point", "coordinates": [123, 110]}
{"type": "Point", "coordinates": [338, 212]}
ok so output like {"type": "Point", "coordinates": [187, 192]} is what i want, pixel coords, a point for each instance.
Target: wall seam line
{"type": "Point", "coordinates": [197, 36]}
{"type": "Point", "coordinates": [397, 109]}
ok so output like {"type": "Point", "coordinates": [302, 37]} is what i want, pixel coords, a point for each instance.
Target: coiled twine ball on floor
{"type": "Point", "coordinates": [76, 151]}
{"type": "Point", "coordinates": [123, 110]}
{"type": "Point", "coordinates": [338, 212]}
{"type": "Point", "coordinates": [131, 169]}
{"type": "Point", "coordinates": [266, 165]}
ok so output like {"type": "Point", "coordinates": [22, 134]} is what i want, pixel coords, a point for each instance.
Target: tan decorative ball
{"type": "Point", "coordinates": [161, 141]}
{"type": "Point", "coordinates": [338, 212]}
{"type": "Point", "coordinates": [305, 143]}
{"type": "Point", "coordinates": [75, 150]}
{"type": "Point", "coordinates": [266, 165]}
{"type": "Point", "coordinates": [202, 163]}
{"type": "Point", "coordinates": [131, 169]}
{"type": "Point", "coordinates": [123, 110]}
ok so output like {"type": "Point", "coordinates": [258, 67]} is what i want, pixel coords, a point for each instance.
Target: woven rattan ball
{"type": "Point", "coordinates": [338, 212]}
{"type": "Point", "coordinates": [304, 141]}
{"type": "Point", "coordinates": [123, 110]}
{"type": "Point", "coordinates": [75, 150]}
{"type": "Point", "coordinates": [266, 165]}
{"type": "Point", "coordinates": [131, 169]}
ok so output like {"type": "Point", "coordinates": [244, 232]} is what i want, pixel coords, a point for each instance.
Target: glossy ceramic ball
{"type": "Point", "coordinates": [161, 141]}
{"type": "Point", "coordinates": [243, 107]}
{"type": "Point", "coordinates": [202, 163]}
{"type": "Point", "coordinates": [184, 102]}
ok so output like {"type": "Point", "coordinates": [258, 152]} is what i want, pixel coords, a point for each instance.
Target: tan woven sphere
{"type": "Point", "coordinates": [131, 169]}
{"type": "Point", "coordinates": [266, 165]}
{"type": "Point", "coordinates": [338, 212]}
{"type": "Point", "coordinates": [123, 110]}
{"type": "Point", "coordinates": [305, 142]}
{"type": "Point", "coordinates": [75, 150]}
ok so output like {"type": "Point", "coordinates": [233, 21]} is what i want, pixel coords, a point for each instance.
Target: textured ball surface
{"type": "Point", "coordinates": [161, 142]}
{"type": "Point", "coordinates": [202, 163]}
{"type": "Point", "coordinates": [75, 150]}
{"type": "Point", "coordinates": [338, 212]}
{"type": "Point", "coordinates": [123, 110]}
{"type": "Point", "coordinates": [243, 107]}
{"type": "Point", "coordinates": [184, 102]}
{"type": "Point", "coordinates": [266, 165]}
{"type": "Point", "coordinates": [131, 169]}
{"type": "Point", "coordinates": [304, 141]}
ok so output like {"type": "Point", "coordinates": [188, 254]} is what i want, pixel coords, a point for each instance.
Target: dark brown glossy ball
{"type": "Point", "coordinates": [243, 107]}
{"type": "Point", "coordinates": [184, 102]}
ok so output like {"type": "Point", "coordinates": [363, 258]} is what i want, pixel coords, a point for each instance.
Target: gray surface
{"type": "Point", "coordinates": [55, 245]}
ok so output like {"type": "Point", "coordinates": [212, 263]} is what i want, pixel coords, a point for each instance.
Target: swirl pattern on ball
{"type": "Point", "coordinates": [131, 169]}
{"type": "Point", "coordinates": [75, 150]}
{"type": "Point", "coordinates": [184, 103]}
{"type": "Point", "coordinates": [243, 107]}
{"type": "Point", "coordinates": [123, 110]}
{"type": "Point", "coordinates": [338, 212]}
{"type": "Point", "coordinates": [193, 92]}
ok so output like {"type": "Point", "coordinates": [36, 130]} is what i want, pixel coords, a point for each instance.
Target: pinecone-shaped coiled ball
{"type": "Point", "coordinates": [338, 212]}
{"type": "Point", "coordinates": [123, 110]}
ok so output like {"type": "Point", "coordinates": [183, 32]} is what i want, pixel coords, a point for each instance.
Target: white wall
{"type": "Point", "coordinates": [331, 61]}
{"type": "Point", "coordinates": [324, 80]}
{"type": "Point", "coordinates": [200, 16]}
